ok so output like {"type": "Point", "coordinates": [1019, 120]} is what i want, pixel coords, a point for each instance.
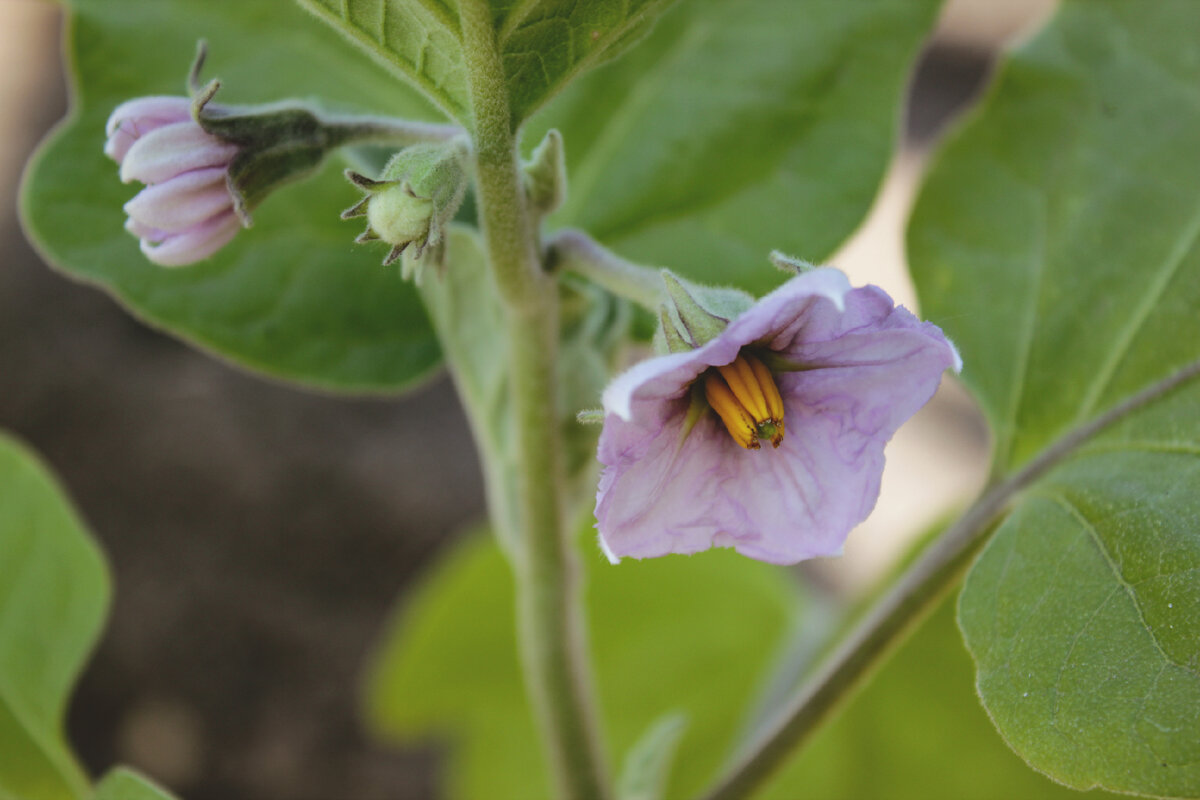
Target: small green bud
{"type": "Point", "coordinates": [546, 175]}
{"type": "Point", "coordinates": [790, 265]}
{"type": "Point", "coordinates": [396, 214]}
{"type": "Point", "coordinates": [415, 198]}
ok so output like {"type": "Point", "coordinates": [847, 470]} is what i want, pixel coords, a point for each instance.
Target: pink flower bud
{"type": "Point", "coordinates": [186, 212]}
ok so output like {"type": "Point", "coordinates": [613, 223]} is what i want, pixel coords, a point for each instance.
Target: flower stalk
{"type": "Point", "coordinates": [574, 251]}
{"type": "Point", "coordinates": [549, 596]}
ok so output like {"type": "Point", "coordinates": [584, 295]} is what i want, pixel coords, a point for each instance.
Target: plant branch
{"type": "Point", "coordinates": [934, 573]}
{"type": "Point", "coordinates": [575, 251]}
{"type": "Point", "coordinates": [549, 596]}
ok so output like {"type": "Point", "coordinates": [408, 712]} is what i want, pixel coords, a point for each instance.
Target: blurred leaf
{"type": "Point", "coordinates": [916, 725]}
{"type": "Point", "coordinates": [688, 634]}
{"type": "Point", "coordinates": [1056, 237]}
{"type": "Point", "coordinates": [648, 763]}
{"type": "Point", "coordinates": [544, 43]}
{"type": "Point", "coordinates": [291, 297]}
{"type": "Point", "coordinates": [737, 128]}
{"type": "Point", "coordinates": [467, 314]}
{"type": "Point", "coordinates": [125, 784]}
{"type": "Point", "coordinates": [1056, 242]}
{"type": "Point", "coordinates": [53, 599]}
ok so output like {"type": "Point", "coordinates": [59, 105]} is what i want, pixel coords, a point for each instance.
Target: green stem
{"type": "Point", "coordinates": [575, 251]}
{"type": "Point", "coordinates": [347, 130]}
{"type": "Point", "coordinates": [927, 580]}
{"type": "Point", "coordinates": [549, 596]}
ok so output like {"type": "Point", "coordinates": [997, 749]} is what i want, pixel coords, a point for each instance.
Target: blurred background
{"type": "Point", "coordinates": [259, 536]}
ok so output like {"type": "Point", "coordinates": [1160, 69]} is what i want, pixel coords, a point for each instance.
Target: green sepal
{"type": "Point", "coordinates": [277, 143]}
{"type": "Point", "coordinates": [545, 175]}
{"type": "Point", "coordinates": [667, 338]}
{"type": "Point", "coordinates": [697, 313]}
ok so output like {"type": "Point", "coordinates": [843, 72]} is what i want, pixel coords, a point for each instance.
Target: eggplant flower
{"type": "Point", "coordinates": [186, 212]}
{"type": "Point", "coordinates": [822, 372]}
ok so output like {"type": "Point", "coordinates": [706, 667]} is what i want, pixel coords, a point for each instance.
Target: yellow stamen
{"type": "Point", "coordinates": [744, 385]}
{"type": "Point", "coordinates": [737, 421]}
{"type": "Point", "coordinates": [746, 398]}
{"type": "Point", "coordinates": [770, 390]}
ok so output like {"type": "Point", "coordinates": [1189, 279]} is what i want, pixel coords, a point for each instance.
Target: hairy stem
{"type": "Point", "coordinates": [549, 602]}
{"type": "Point", "coordinates": [575, 251]}
{"type": "Point", "coordinates": [346, 130]}
{"type": "Point", "coordinates": [934, 573]}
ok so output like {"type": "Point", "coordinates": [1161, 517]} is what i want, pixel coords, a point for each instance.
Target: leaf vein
{"type": "Point", "coordinates": [1141, 313]}
{"type": "Point", "coordinates": [1087, 525]}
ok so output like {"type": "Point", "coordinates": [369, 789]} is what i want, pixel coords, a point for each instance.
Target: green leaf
{"type": "Point", "coordinates": [543, 44]}
{"type": "Point", "coordinates": [125, 784]}
{"type": "Point", "coordinates": [469, 318]}
{"type": "Point", "coordinates": [738, 128]}
{"type": "Point", "coordinates": [710, 624]}
{"type": "Point", "coordinates": [1083, 615]}
{"type": "Point", "coordinates": [53, 598]}
{"type": "Point", "coordinates": [291, 297]}
{"type": "Point", "coordinates": [1056, 238]}
{"type": "Point", "coordinates": [418, 40]}
{"type": "Point", "coordinates": [648, 763]}
{"type": "Point", "coordinates": [915, 726]}
{"type": "Point", "coordinates": [547, 43]}
{"type": "Point", "coordinates": [1056, 242]}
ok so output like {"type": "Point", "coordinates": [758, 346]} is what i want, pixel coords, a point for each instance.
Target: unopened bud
{"type": "Point", "coordinates": [412, 202]}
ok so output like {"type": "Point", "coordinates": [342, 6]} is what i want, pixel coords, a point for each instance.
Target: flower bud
{"type": "Point", "coordinates": [415, 198]}
{"type": "Point", "coordinates": [207, 166]}
{"type": "Point", "coordinates": [186, 212]}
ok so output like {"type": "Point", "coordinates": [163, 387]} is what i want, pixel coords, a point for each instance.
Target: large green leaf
{"type": "Point", "coordinates": [125, 784]}
{"type": "Point", "coordinates": [291, 296]}
{"type": "Point", "coordinates": [544, 44]}
{"type": "Point", "coordinates": [53, 598]}
{"type": "Point", "coordinates": [736, 128]}
{"type": "Point", "coordinates": [1056, 242]}
{"type": "Point", "coordinates": [915, 726]}
{"type": "Point", "coordinates": [677, 634]}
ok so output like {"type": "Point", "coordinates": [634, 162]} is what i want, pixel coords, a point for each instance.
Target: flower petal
{"type": "Point", "coordinates": [194, 244]}
{"type": "Point", "coordinates": [133, 119]}
{"type": "Point", "coordinates": [782, 506]}
{"type": "Point", "coordinates": [148, 111]}
{"type": "Point", "coordinates": [183, 201]}
{"type": "Point", "coordinates": [145, 231]}
{"type": "Point", "coordinates": [171, 150]}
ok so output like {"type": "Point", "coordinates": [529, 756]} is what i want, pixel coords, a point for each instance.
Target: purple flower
{"type": "Point", "coordinates": [846, 366]}
{"type": "Point", "coordinates": [186, 212]}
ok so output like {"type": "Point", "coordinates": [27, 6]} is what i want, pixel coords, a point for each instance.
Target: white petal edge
{"type": "Point", "coordinates": [618, 396]}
